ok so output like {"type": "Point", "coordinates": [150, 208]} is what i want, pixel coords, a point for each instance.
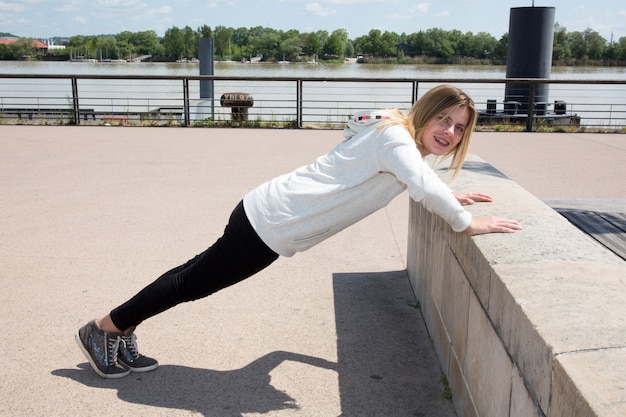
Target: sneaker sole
{"type": "Point", "coordinates": [92, 363]}
{"type": "Point", "coordinates": [144, 369]}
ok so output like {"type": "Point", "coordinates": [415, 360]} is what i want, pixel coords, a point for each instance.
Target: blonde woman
{"type": "Point", "coordinates": [381, 156]}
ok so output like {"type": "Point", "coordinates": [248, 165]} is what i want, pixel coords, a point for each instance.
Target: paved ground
{"type": "Point", "coordinates": [92, 214]}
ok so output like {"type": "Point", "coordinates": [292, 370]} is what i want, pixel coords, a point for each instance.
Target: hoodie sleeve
{"type": "Point", "coordinates": [401, 158]}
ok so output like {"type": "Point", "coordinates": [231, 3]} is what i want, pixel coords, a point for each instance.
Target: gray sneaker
{"type": "Point", "coordinates": [129, 356]}
{"type": "Point", "coordinates": [101, 349]}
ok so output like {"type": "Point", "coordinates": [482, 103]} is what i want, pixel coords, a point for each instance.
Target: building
{"type": "Point", "coordinates": [38, 46]}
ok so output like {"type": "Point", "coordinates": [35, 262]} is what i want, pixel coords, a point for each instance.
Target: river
{"type": "Point", "coordinates": [300, 70]}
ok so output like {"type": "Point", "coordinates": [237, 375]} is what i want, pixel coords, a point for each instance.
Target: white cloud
{"type": "Point", "coordinates": [421, 9]}
{"type": "Point", "coordinates": [161, 10]}
{"type": "Point", "coordinates": [213, 4]}
{"type": "Point", "coordinates": [81, 20]}
{"type": "Point", "coordinates": [124, 4]}
{"type": "Point", "coordinates": [69, 6]}
{"type": "Point", "coordinates": [23, 22]}
{"type": "Point", "coordinates": [359, 1]}
{"type": "Point", "coordinates": [318, 10]}
{"type": "Point", "coordinates": [11, 7]}
{"type": "Point", "coordinates": [443, 13]}
{"type": "Point", "coordinates": [120, 9]}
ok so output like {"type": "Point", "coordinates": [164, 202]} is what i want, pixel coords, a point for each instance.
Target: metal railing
{"type": "Point", "coordinates": [291, 101]}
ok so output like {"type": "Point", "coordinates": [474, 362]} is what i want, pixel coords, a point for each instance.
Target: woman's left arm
{"type": "Point", "coordinates": [471, 198]}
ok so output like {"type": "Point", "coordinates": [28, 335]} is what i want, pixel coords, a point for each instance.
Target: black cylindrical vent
{"type": "Point", "coordinates": [531, 32]}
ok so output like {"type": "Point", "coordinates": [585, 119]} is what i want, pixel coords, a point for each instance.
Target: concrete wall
{"type": "Point", "coordinates": [525, 324]}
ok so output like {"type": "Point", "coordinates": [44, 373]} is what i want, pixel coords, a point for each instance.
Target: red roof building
{"type": "Point", "coordinates": [37, 44]}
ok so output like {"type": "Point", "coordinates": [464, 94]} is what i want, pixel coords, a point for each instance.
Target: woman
{"type": "Point", "coordinates": [381, 156]}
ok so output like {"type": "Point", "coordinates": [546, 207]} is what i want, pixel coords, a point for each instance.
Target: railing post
{"type": "Point", "coordinates": [415, 91]}
{"type": "Point", "coordinates": [186, 102]}
{"type": "Point", "coordinates": [299, 103]}
{"type": "Point", "coordinates": [531, 107]}
{"type": "Point", "coordinates": [75, 105]}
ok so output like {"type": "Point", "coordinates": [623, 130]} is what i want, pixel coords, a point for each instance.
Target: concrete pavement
{"type": "Point", "coordinates": [92, 214]}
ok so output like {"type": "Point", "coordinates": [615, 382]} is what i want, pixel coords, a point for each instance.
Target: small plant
{"type": "Point", "coordinates": [291, 124]}
{"type": "Point", "coordinates": [447, 393]}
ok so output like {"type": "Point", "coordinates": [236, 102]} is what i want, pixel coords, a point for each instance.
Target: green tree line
{"type": "Point", "coordinates": [430, 46]}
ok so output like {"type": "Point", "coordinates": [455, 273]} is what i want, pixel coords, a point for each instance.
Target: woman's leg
{"type": "Point", "coordinates": [237, 255]}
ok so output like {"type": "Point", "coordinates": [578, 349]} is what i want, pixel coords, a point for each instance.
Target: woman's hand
{"type": "Point", "coordinates": [471, 198]}
{"type": "Point", "coordinates": [481, 225]}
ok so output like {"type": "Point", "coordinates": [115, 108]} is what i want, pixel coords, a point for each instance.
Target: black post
{"type": "Point", "coordinates": [75, 104]}
{"type": "Point", "coordinates": [207, 67]}
{"type": "Point", "coordinates": [529, 55]}
{"type": "Point", "coordinates": [186, 115]}
{"type": "Point", "coordinates": [299, 103]}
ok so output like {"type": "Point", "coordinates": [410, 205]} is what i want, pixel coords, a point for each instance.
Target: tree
{"type": "Point", "coordinates": [369, 44]}
{"type": "Point", "coordinates": [222, 36]}
{"type": "Point", "coordinates": [311, 44]}
{"type": "Point", "coordinates": [190, 39]}
{"type": "Point", "coordinates": [416, 41]}
{"type": "Point", "coordinates": [323, 35]}
{"type": "Point", "coordinates": [241, 36]}
{"type": "Point", "coordinates": [436, 44]}
{"type": "Point", "coordinates": [348, 49]}
{"type": "Point", "coordinates": [205, 32]}
{"type": "Point", "coordinates": [484, 45]}
{"type": "Point", "coordinates": [502, 47]}
{"type": "Point", "coordinates": [333, 47]}
{"type": "Point", "coordinates": [621, 49]}
{"type": "Point", "coordinates": [290, 48]}
{"type": "Point", "coordinates": [273, 44]}
{"type": "Point", "coordinates": [266, 44]}
{"type": "Point", "coordinates": [107, 47]}
{"type": "Point", "coordinates": [5, 52]}
{"type": "Point", "coordinates": [560, 47]}
{"type": "Point", "coordinates": [458, 41]}
{"type": "Point", "coordinates": [388, 42]}
{"type": "Point", "coordinates": [146, 42]}
{"type": "Point", "coordinates": [596, 44]}
{"type": "Point", "coordinates": [21, 47]}
{"type": "Point", "coordinates": [173, 44]}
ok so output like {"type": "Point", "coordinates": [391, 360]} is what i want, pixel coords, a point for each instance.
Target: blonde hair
{"type": "Point", "coordinates": [440, 100]}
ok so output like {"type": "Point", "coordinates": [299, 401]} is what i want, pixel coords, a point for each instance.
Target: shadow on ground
{"type": "Point", "coordinates": [386, 363]}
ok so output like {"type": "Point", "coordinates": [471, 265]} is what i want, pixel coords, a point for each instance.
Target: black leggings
{"type": "Point", "coordinates": [237, 255]}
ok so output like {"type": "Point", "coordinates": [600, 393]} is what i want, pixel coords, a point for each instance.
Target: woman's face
{"type": "Point", "coordinates": [444, 133]}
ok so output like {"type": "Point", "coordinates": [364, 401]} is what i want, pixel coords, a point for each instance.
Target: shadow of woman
{"type": "Point", "coordinates": [209, 392]}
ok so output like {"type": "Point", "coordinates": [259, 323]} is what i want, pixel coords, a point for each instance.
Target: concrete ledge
{"type": "Point", "coordinates": [525, 324]}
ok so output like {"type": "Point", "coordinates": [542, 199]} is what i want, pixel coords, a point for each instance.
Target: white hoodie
{"type": "Point", "coordinates": [361, 175]}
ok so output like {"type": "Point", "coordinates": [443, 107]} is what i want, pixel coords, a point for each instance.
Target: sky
{"type": "Point", "coordinates": [49, 18]}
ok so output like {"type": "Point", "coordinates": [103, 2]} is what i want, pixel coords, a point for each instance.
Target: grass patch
{"type": "Point", "coordinates": [447, 393]}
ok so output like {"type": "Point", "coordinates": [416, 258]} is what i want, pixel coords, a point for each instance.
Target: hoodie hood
{"type": "Point", "coordinates": [363, 119]}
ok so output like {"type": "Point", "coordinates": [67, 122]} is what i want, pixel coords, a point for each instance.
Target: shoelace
{"type": "Point", "coordinates": [130, 343]}
{"type": "Point", "coordinates": [113, 345]}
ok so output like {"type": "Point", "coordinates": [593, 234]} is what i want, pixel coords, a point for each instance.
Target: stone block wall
{"type": "Point", "coordinates": [528, 324]}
